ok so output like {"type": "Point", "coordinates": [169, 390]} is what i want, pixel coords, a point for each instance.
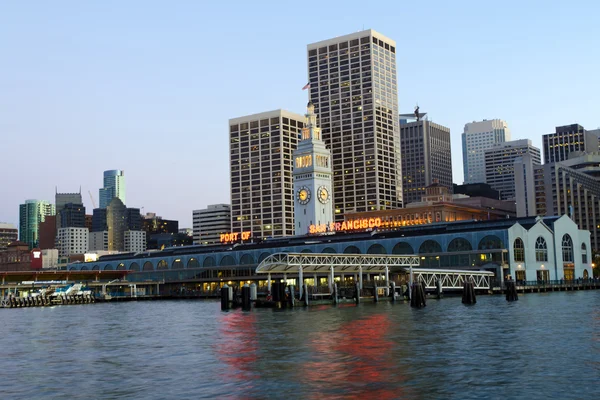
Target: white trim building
{"type": "Point", "coordinates": [541, 252]}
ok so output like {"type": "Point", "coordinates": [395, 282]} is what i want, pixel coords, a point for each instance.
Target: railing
{"type": "Point", "coordinates": [550, 283]}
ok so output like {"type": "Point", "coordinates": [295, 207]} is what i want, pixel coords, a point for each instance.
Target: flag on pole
{"type": "Point", "coordinates": [307, 86]}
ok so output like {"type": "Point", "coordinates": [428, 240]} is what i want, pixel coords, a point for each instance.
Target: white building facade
{"type": "Point", "coordinates": [210, 222]}
{"type": "Point", "coordinates": [135, 241]}
{"type": "Point", "coordinates": [476, 138]}
{"type": "Point", "coordinates": [550, 249]}
{"type": "Point", "coordinates": [72, 241]}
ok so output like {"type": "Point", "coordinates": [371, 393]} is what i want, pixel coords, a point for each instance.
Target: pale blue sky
{"type": "Point", "coordinates": [149, 86]}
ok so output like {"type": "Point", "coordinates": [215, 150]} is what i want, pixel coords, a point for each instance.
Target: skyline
{"type": "Point", "coordinates": [137, 73]}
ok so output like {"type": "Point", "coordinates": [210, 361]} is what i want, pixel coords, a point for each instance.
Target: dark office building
{"type": "Point", "coordinates": [566, 140]}
{"type": "Point", "coordinates": [477, 190]}
{"type": "Point", "coordinates": [72, 216]}
{"type": "Point", "coordinates": [99, 220]}
{"type": "Point", "coordinates": [153, 224]}
{"type": "Point", "coordinates": [159, 241]}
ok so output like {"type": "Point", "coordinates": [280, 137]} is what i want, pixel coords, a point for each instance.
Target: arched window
{"type": "Point", "coordinates": [193, 263]}
{"type": "Point", "coordinates": [351, 250]}
{"type": "Point", "coordinates": [490, 242]}
{"type": "Point", "coordinates": [208, 262]}
{"type": "Point", "coordinates": [430, 246]}
{"type": "Point", "coordinates": [177, 264]}
{"type": "Point", "coordinates": [121, 267]}
{"type": "Point", "coordinates": [134, 266]}
{"type": "Point", "coordinates": [459, 244]}
{"type": "Point", "coordinates": [227, 260]}
{"type": "Point", "coordinates": [541, 249]}
{"type": "Point", "coordinates": [148, 266]}
{"type": "Point", "coordinates": [583, 253]}
{"type": "Point", "coordinates": [518, 250]}
{"type": "Point", "coordinates": [376, 249]}
{"type": "Point", "coordinates": [162, 264]}
{"type": "Point", "coordinates": [567, 248]}
{"type": "Point", "coordinates": [246, 259]}
{"type": "Point", "coordinates": [403, 248]}
{"type": "Point", "coordinates": [328, 250]}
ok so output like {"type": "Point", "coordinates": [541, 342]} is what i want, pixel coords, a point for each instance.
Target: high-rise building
{"type": "Point", "coordinates": [426, 156]}
{"type": "Point", "coordinates": [8, 234]}
{"type": "Point", "coordinates": [48, 233]}
{"type": "Point", "coordinates": [209, 223]}
{"type": "Point", "coordinates": [262, 194]}
{"type": "Point", "coordinates": [312, 179]}
{"type": "Point", "coordinates": [134, 241]}
{"type": "Point", "coordinates": [71, 241]}
{"type": "Point", "coordinates": [499, 165]}
{"type": "Point", "coordinates": [118, 220]}
{"type": "Point", "coordinates": [114, 186]}
{"type": "Point", "coordinates": [354, 90]}
{"type": "Point", "coordinates": [477, 137]}
{"type": "Point", "coordinates": [151, 223]}
{"type": "Point", "coordinates": [72, 215]}
{"type": "Point", "coordinates": [99, 220]}
{"type": "Point", "coordinates": [62, 199]}
{"type": "Point", "coordinates": [98, 241]}
{"type": "Point", "coordinates": [566, 140]}
{"type": "Point", "coordinates": [30, 215]}
{"type": "Point", "coordinates": [570, 187]}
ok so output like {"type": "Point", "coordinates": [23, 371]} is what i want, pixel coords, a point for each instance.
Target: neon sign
{"type": "Point", "coordinates": [234, 236]}
{"type": "Point", "coordinates": [352, 225]}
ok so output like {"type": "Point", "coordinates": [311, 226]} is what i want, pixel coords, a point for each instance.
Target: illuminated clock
{"type": "Point", "coordinates": [303, 195]}
{"type": "Point", "coordinates": [323, 194]}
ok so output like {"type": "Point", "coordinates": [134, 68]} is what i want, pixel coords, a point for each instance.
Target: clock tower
{"type": "Point", "coordinates": [312, 178]}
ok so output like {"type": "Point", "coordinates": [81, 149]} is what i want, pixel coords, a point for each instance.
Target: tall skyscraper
{"type": "Point", "coordinates": [119, 219]}
{"type": "Point", "coordinates": [570, 187]}
{"type": "Point", "coordinates": [30, 215]}
{"type": "Point", "coordinates": [209, 223]}
{"type": "Point", "coordinates": [312, 179]}
{"type": "Point", "coordinates": [114, 186]}
{"type": "Point", "coordinates": [62, 199]}
{"type": "Point", "coordinates": [566, 140]}
{"type": "Point", "coordinates": [426, 156]}
{"type": "Point", "coordinates": [262, 194]}
{"type": "Point", "coordinates": [477, 137]}
{"type": "Point", "coordinates": [354, 90]}
{"type": "Point", "coordinates": [499, 165]}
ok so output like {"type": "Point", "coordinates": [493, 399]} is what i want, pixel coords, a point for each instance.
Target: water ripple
{"type": "Point", "coordinates": [544, 345]}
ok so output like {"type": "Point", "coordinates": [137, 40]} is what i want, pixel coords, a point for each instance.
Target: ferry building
{"type": "Point", "coordinates": [526, 249]}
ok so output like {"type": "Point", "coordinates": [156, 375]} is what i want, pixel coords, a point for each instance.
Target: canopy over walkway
{"type": "Point", "coordinates": [342, 263]}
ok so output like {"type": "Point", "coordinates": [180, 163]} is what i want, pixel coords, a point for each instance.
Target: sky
{"type": "Point", "coordinates": [149, 86]}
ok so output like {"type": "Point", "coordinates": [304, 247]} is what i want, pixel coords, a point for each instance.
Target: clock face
{"type": "Point", "coordinates": [323, 194]}
{"type": "Point", "coordinates": [303, 195]}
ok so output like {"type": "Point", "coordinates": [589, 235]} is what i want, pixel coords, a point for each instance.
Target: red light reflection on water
{"type": "Point", "coordinates": [237, 346]}
{"type": "Point", "coordinates": [355, 361]}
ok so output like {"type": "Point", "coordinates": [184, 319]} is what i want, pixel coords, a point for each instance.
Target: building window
{"type": "Point", "coordinates": [567, 249]}
{"type": "Point", "coordinates": [541, 249]}
{"type": "Point", "coordinates": [583, 253]}
{"type": "Point", "coordinates": [518, 250]}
